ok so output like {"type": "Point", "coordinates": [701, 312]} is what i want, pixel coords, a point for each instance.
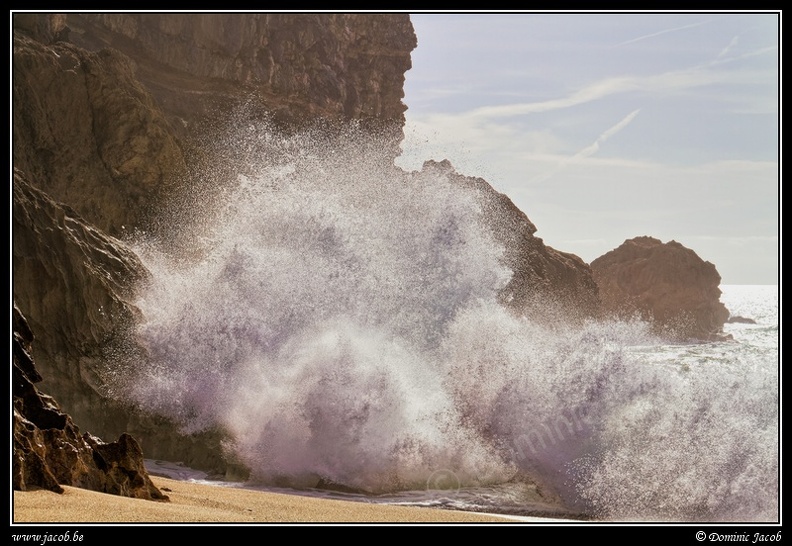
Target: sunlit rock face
{"type": "Point", "coordinates": [108, 105]}
{"type": "Point", "coordinates": [90, 134]}
{"type": "Point", "coordinates": [665, 283]}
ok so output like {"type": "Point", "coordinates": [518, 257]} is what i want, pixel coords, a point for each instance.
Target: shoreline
{"type": "Point", "coordinates": [202, 503]}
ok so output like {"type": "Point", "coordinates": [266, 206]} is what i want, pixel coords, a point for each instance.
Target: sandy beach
{"type": "Point", "coordinates": [193, 503]}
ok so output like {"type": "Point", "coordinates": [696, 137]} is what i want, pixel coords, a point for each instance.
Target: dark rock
{"type": "Point", "coordinates": [77, 287]}
{"type": "Point", "coordinates": [665, 283]}
{"type": "Point", "coordinates": [49, 450]}
{"type": "Point", "coordinates": [740, 320]}
{"type": "Point", "coordinates": [43, 27]}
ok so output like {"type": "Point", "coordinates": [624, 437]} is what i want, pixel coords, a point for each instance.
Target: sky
{"type": "Point", "coordinates": [605, 126]}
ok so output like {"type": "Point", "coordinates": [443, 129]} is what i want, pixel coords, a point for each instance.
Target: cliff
{"type": "Point", "coordinates": [77, 286]}
{"type": "Point", "coordinates": [297, 67]}
{"type": "Point", "coordinates": [664, 283]}
{"type": "Point", "coordinates": [114, 102]}
{"type": "Point", "coordinates": [90, 135]}
{"type": "Point", "coordinates": [117, 115]}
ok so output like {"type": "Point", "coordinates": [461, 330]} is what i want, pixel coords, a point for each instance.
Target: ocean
{"type": "Point", "coordinates": [339, 320]}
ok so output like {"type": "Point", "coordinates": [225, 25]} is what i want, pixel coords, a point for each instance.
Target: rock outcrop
{"type": "Point", "coordinates": [740, 320]}
{"type": "Point", "coordinates": [547, 285]}
{"type": "Point", "coordinates": [49, 450]}
{"type": "Point", "coordinates": [76, 286]}
{"type": "Point", "coordinates": [664, 283]}
{"type": "Point", "coordinates": [116, 114]}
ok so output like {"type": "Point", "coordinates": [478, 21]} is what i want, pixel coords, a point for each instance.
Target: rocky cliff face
{"type": "Point", "coordinates": [664, 283]}
{"type": "Point", "coordinates": [116, 114]}
{"type": "Point", "coordinates": [297, 66]}
{"type": "Point", "coordinates": [112, 102]}
{"type": "Point", "coordinates": [77, 285]}
{"type": "Point", "coordinates": [90, 135]}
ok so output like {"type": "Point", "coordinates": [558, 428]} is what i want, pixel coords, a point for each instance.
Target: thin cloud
{"type": "Point", "coordinates": [746, 55]}
{"type": "Point", "coordinates": [595, 91]}
{"type": "Point", "coordinates": [677, 80]}
{"type": "Point", "coordinates": [674, 80]}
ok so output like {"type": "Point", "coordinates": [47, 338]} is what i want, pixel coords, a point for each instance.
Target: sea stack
{"type": "Point", "coordinates": [664, 283]}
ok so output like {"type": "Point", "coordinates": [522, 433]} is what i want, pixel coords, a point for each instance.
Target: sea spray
{"type": "Point", "coordinates": [309, 327]}
{"type": "Point", "coordinates": [701, 445]}
{"type": "Point", "coordinates": [339, 319]}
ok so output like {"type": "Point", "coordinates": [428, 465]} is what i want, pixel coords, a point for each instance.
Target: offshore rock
{"type": "Point", "coordinates": [664, 283]}
{"type": "Point", "coordinates": [546, 283]}
{"type": "Point", "coordinates": [49, 450]}
{"type": "Point", "coordinates": [737, 319]}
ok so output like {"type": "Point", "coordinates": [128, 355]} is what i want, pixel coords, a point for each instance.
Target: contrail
{"type": "Point", "coordinates": [666, 31]}
{"type": "Point", "coordinates": [595, 91]}
{"type": "Point", "coordinates": [591, 149]}
{"type": "Point", "coordinates": [729, 47]}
